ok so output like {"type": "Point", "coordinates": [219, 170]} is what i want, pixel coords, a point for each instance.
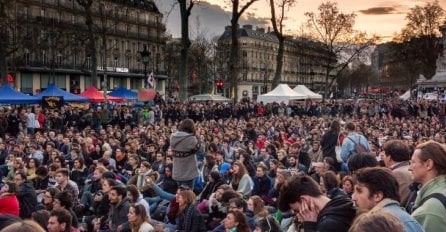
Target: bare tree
{"type": "Point", "coordinates": [277, 22]}
{"type": "Point", "coordinates": [91, 45]}
{"type": "Point", "coordinates": [342, 44]}
{"type": "Point", "coordinates": [237, 11]}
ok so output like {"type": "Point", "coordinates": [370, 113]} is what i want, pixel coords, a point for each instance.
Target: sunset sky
{"type": "Point", "coordinates": [380, 17]}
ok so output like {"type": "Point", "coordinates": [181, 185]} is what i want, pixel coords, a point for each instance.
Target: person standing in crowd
{"type": "Point", "coordinates": [397, 157]}
{"type": "Point", "coordinates": [376, 190]}
{"type": "Point", "coordinates": [329, 141]}
{"type": "Point", "coordinates": [318, 212]}
{"type": "Point", "coordinates": [185, 144]}
{"type": "Point", "coordinates": [352, 142]}
{"type": "Point", "coordinates": [428, 167]}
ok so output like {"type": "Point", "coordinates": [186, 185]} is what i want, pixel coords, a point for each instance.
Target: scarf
{"type": "Point", "coordinates": [140, 181]}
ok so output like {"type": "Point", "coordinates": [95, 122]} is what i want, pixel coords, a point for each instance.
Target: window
{"type": "Point", "coordinates": [27, 83]}
{"type": "Point", "coordinates": [87, 81]}
{"type": "Point", "coordinates": [61, 81]}
{"type": "Point", "coordinates": [135, 83]}
{"type": "Point", "coordinates": [44, 79]}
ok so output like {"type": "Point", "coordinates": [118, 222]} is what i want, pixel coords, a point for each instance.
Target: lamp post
{"type": "Point", "coordinates": [145, 55]}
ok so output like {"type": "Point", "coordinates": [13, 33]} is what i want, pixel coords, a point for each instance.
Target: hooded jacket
{"type": "Point", "coordinates": [336, 216]}
{"type": "Point", "coordinates": [27, 199]}
{"type": "Point", "coordinates": [184, 146]}
{"type": "Point", "coordinates": [118, 213]}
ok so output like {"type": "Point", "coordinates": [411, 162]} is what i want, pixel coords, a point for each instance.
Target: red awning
{"type": "Point", "coordinates": [96, 96]}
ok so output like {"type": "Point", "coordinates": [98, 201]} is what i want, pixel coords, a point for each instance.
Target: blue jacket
{"type": "Point", "coordinates": [348, 146]}
{"type": "Point", "coordinates": [393, 207]}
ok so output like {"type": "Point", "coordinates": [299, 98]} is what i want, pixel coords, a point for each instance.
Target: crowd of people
{"type": "Point", "coordinates": [355, 165]}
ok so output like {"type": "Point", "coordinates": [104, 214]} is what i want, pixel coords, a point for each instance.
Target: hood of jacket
{"type": "Point", "coordinates": [340, 208]}
{"type": "Point", "coordinates": [182, 141]}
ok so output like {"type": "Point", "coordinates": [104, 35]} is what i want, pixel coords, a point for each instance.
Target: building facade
{"type": "Point", "coordinates": [51, 38]}
{"type": "Point", "coordinates": [258, 52]}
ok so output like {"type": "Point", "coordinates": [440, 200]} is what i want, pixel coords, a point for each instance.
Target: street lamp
{"type": "Point", "coordinates": [145, 55]}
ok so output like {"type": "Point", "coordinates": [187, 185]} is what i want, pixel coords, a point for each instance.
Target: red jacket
{"type": "Point", "coordinates": [9, 205]}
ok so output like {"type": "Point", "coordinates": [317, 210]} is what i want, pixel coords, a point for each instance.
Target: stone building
{"type": "Point", "coordinates": [51, 37]}
{"type": "Point", "coordinates": [302, 62]}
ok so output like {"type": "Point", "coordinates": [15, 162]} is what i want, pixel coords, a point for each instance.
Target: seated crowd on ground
{"type": "Point", "coordinates": [337, 166]}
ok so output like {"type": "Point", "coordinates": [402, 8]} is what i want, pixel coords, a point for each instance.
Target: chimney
{"type": "Point", "coordinates": [269, 29]}
{"type": "Point", "coordinates": [247, 27]}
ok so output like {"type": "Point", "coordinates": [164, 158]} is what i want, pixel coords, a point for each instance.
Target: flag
{"type": "Point", "coordinates": [151, 80]}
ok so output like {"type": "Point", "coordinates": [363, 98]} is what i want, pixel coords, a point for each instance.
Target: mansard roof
{"type": "Point", "coordinates": [142, 4]}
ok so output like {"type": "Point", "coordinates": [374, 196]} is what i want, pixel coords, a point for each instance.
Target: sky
{"type": "Point", "coordinates": [384, 18]}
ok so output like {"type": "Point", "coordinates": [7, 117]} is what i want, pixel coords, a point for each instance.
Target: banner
{"type": "Point", "coordinates": [52, 102]}
{"type": "Point", "coordinates": [145, 95]}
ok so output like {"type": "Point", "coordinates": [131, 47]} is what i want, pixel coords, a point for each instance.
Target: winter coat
{"type": "Point", "coordinates": [118, 213]}
{"type": "Point", "coordinates": [26, 195]}
{"type": "Point", "coordinates": [190, 220]}
{"type": "Point", "coordinates": [9, 204]}
{"type": "Point", "coordinates": [336, 216]}
{"type": "Point", "coordinates": [184, 146]}
{"type": "Point", "coordinates": [404, 178]}
{"type": "Point", "coordinates": [431, 214]}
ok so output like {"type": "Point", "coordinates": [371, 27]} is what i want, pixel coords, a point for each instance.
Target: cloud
{"type": "Point", "coordinates": [379, 11]}
{"type": "Point", "coordinates": [213, 18]}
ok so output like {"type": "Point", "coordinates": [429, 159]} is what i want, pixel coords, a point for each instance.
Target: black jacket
{"type": "Point", "coordinates": [262, 185]}
{"type": "Point", "coordinates": [336, 216]}
{"type": "Point", "coordinates": [328, 144]}
{"type": "Point", "coordinates": [191, 220]}
{"type": "Point", "coordinates": [26, 195]}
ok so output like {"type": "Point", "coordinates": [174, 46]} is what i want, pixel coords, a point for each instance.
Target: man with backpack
{"type": "Point", "coordinates": [354, 143]}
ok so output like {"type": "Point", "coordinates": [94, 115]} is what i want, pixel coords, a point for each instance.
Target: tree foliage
{"type": "Point", "coordinates": [341, 42]}
{"type": "Point", "coordinates": [416, 48]}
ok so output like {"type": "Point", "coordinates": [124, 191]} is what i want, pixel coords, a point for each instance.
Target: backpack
{"type": "Point", "coordinates": [438, 196]}
{"type": "Point", "coordinates": [359, 148]}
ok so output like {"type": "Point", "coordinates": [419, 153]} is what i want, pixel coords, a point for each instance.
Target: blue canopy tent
{"type": "Point", "coordinates": [122, 92]}
{"type": "Point", "coordinates": [53, 90]}
{"type": "Point", "coordinates": [8, 95]}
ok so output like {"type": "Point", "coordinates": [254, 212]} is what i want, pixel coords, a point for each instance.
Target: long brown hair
{"type": "Point", "coordinates": [238, 176]}
{"type": "Point", "coordinates": [142, 217]}
{"type": "Point", "coordinates": [188, 196]}
{"type": "Point", "coordinates": [259, 206]}
{"type": "Point", "coordinates": [242, 221]}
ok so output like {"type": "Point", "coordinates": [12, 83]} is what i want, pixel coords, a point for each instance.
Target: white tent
{"type": "Point", "coordinates": [302, 89]}
{"type": "Point", "coordinates": [209, 97]}
{"type": "Point", "coordinates": [282, 93]}
{"type": "Point", "coordinates": [405, 95]}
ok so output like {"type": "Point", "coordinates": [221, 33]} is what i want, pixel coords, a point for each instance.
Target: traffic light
{"type": "Point", "coordinates": [219, 85]}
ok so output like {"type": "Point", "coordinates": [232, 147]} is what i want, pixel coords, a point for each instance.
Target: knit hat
{"type": "Point", "coordinates": [224, 167]}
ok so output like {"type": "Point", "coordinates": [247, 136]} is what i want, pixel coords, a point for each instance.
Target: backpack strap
{"type": "Point", "coordinates": [438, 196]}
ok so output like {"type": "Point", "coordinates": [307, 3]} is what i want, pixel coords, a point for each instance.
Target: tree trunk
{"type": "Point", "coordinates": [279, 64]}
{"type": "Point", "coordinates": [233, 72]}
{"type": "Point", "coordinates": [185, 44]}
{"type": "Point", "coordinates": [92, 46]}
{"type": "Point", "coordinates": [3, 63]}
